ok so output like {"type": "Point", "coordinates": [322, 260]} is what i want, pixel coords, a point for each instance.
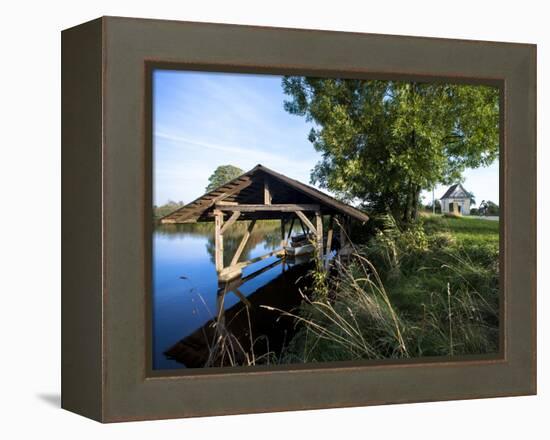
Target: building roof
{"type": "Point", "coordinates": [248, 189]}
{"type": "Point", "coordinates": [456, 191]}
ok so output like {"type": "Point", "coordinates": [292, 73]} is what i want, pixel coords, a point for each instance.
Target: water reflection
{"type": "Point", "coordinates": [246, 333]}
{"type": "Point", "coordinates": [185, 289]}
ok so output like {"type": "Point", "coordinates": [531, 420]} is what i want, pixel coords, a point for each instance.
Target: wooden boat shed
{"type": "Point", "coordinates": [263, 194]}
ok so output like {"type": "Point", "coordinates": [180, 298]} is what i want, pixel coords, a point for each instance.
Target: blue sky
{"type": "Point", "coordinates": [203, 120]}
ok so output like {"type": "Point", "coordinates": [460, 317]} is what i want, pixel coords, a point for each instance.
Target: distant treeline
{"type": "Point", "coordinates": [167, 208]}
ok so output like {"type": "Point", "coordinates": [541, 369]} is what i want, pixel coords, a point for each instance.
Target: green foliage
{"type": "Point", "coordinates": [486, 207]}
{"type": "Point", "coordinates": [222, 175]}
{"type": "Point", "coordinates": [429, 207]}
{"type": "Point", "coordinates": [428, 290]}
{"type": "Point", "coordinates": [384, 141]}
{"type": "Point", "coordinates": [167, 208]}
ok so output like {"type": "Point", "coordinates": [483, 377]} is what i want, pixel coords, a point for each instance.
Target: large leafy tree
{"type": "Point", "coordinates": [383, 142]}
{"type": "Point", "coordinates": [222, 175]}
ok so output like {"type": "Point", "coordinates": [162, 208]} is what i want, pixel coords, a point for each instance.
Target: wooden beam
{"type": "Point", "coordinates": [329, 239]}
{"type": "Point", "coordinates": [303, 218]}
{"type": "Point", "coordinates": [230, 221]}
{"type": "Point", "coordinates": [267, 192]}
{"type": "Point", "coordinates": [275, 208]}
{"type": "Point", "coordinates": [319, 233]}
{"type": "Point", "coordinates": [242, 244]}
{"type": "Point", "coordinates": [302, 225]}
{"type": "Point", "coordinates": [235, 283]}
{"type": "Point", "coordinates": [290, 229]}
{"type": "Point", "coordinates": [218, 241]}
{"type": "Point", "coordinates": [241, 264]}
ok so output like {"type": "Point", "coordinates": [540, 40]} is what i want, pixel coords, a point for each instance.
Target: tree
{"type": "Point", "coordinates": [430, 207]}
{"type": "Point", "coordinates": [488, 208]}
{"type": "Point", "coordinates": [167, 208]}
{"type": "Point", "coordinates": [222, 175]}
{"type": "Point", "coordinates": [383, 142]}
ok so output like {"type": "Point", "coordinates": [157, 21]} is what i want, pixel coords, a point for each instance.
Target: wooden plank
{"type": "Point", "coordinates": [242, 244]}
{"type": "Point", "coordinates": [275, 208]}
{"type": "Point", "coordinates": [201, 205]}
{"type": "Point", "coordinates": [240, 265]}
{"type": "Point", "coordinates": [230, 221]}
{"type": "Point", "coordinates": [304, 219]}
{"type": "Point", "coordinates": [234, 283]}
{"type": "Point", "coordinates": [218, 241]}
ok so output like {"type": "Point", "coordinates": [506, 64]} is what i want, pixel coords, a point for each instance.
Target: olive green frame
{"type": "Point", "coordinates": [106, 227]}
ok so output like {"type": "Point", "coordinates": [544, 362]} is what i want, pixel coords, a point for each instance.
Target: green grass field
{"type": "Point", "coordinates": [467, 230]}
{"type": "Point", "coordinates": [429, 290]}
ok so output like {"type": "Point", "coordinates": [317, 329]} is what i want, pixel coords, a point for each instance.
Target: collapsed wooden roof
{"type": "Point", "coordinates": [262, 193]}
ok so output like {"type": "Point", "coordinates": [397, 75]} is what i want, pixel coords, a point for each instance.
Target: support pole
{"type": "Point", "coordinates": [218, 240]}
{"type": "Point", "coordinates": [319, 233]}
{"type": "Point", "coordinates": [330, 232]}
{"type": "Point", "coordinates": [283, 239]}
{"type": "Point", "coordinates": [344, 245]}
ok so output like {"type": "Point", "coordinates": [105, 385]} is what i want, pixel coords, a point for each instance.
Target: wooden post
{"type": "Point", "coordinates": [218, 240]}
{"type": "Point", "coordinates": [319, 233]}
{"type": "Point", "coordinates": [344, 245]}
{"type": "Point", "coordinates": [283, 239]}
{"type": "Point", "coordinates": [329, 238]}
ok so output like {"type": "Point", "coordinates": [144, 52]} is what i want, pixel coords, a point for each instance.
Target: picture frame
{"type": "Point", "coordinates": [107, 201]}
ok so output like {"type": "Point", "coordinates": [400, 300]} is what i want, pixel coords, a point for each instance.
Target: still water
{"type": "Point", "coordinates": [185, 290]}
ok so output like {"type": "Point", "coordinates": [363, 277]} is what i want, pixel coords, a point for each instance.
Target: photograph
{"type": "Point", "coordinates": [307, 220]}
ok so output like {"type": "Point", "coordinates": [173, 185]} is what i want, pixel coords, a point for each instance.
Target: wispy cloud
{"type": "Point", "coordinates": [256, 152]}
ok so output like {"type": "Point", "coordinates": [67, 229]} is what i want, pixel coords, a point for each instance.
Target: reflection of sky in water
{"type": "Point", "coordinates": [181, 306]}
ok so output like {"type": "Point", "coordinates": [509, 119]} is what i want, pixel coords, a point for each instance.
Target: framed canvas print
{"type": "Point", "coordinates": [263, 219]}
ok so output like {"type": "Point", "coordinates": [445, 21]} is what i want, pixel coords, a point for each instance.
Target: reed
{"type": "Point", "coordinates": [426, 295]}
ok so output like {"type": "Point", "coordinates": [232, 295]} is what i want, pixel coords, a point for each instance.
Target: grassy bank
{"type": "Point", "coordinates": [431, 290]}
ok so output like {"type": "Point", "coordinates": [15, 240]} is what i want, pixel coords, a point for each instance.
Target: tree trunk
{"type": "Point", "coordinates": [416, 197]}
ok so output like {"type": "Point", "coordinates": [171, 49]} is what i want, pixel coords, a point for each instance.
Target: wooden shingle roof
{"type": "Point", "coordinates": [248, 189]}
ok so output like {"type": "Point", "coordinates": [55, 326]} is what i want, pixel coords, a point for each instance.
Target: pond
{"type": "Point", "coordinates": [187, 297]}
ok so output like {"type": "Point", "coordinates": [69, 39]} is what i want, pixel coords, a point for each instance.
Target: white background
{"type": "Point", "coordinates": [30, 218]}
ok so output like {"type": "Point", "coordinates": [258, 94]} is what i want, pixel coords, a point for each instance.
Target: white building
{"type": "Point", "coordinates": [456, 200]}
